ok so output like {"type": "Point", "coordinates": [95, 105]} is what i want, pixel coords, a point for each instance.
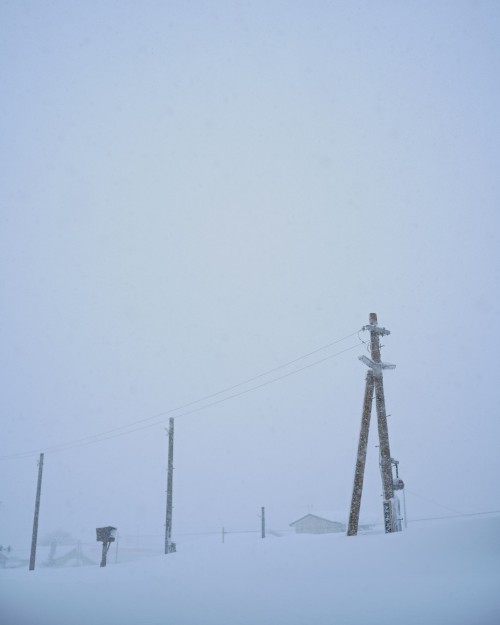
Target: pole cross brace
{"type": "Point", "coordinates": [376, 366]}
{"type": "Point", "coordinates": [376, 329]}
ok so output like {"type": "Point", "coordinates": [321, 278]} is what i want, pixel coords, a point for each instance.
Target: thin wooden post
{"type": "Point", "coordinates": [37, 511]}
{"type": "Point", "coordinates": [168, 521]}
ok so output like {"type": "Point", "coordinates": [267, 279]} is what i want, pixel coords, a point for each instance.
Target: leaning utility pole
{"type": "Point", "coordinates": [263, 522]}
{"type": "Point", "coordinates": [37, 510]}
{"type": "Point", "coordinates": [169, 545]}
{"type": "Point", "coordinates": [359, 472]}
{"type": "Point", "coordinates": [374, 382]}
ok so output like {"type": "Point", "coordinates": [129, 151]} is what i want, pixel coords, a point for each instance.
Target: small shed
{"type": "Point", "coordinates": [75, 557]}
{"type": "Point", "coordinates": [315, 524]}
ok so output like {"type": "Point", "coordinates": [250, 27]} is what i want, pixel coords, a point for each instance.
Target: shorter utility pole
{"type": "Point", "coordinates": [116, 548]}
{"type": "Point", "coordinates": [37, 511]}
{"type": "Point", "coordinates": [223, 534]}
{"type": "Point", "coordinates": [169, 545]}
{"type": "Point", "coordinates": [263, 522]}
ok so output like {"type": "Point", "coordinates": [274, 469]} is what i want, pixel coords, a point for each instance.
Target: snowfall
{"type": "Point", "coordinates": [435, 572]}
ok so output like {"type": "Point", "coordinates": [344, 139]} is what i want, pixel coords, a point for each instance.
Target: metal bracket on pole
{"type": "Point", "coordinates": [376, 329]}
{"type": "Point", "coordinates": [376, 366]}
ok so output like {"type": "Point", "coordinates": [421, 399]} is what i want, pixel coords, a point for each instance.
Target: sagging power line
{"type": "Point", "coordinates": [157, 419]}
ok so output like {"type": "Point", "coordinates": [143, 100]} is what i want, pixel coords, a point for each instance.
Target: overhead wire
{"type": "Point", "coordinates": [365, 343]}
{"type": "Point", "coordinates": [454, 516]}
{"type": "Point", "coordinates": [152, 421]}
{"type": "Point", "coordinates": [435, 503]}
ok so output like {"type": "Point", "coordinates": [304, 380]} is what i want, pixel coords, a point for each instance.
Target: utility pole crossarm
{"type": "Point", "coordinates": [376, 366]}
{"type": "Point", "coordinates": [374, 328]}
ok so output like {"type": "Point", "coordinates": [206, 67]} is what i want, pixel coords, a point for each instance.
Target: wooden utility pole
{"type": "Point", "coordinates": [263, 522]}
{"type": "Point", "coordinates": [352, 528]}
{"type": "Point", "coordinates": [37, 511]}
{"type": "Point", "coordinates": [374, 382]}
{"type": "Point", "coordinates": [169, 546]}
{"type": "Point", "coordinates": [116, 547]}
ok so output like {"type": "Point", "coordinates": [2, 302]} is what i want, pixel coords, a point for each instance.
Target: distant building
{"type": "Point", "coordinates": [315, 524]}
{"type": "Point", "coordinates": [75, 557]}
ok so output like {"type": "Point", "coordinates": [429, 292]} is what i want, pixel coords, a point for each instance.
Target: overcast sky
{"type": "Point", "coordinates": [197, 192]}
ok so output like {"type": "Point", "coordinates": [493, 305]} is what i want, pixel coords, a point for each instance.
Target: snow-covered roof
{"type": "Point", "coordinates": [336, 516]}
{"type": "Point", "coordinates": [323, 516]}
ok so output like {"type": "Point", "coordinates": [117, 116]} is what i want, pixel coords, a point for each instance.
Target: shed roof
{"type": "Point", "coordinates": [311, 516]}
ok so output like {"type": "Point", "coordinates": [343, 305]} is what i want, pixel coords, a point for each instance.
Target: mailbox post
{"type": "Point", "coordinates": [106, 536]}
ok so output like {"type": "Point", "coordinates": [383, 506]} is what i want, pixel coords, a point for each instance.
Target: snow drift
{"type": "Point", "coordinates": [440, 572]}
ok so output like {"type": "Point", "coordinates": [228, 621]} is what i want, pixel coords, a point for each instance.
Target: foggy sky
{"type": "Point", "coordinates": [196, 193]}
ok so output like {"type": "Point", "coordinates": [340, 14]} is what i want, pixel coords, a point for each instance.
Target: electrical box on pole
{"type": "Point", "coordinates": [375, 385]}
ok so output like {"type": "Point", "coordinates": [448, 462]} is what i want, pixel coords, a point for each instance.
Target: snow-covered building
{"type": "Point", "coordinates": [75, 557]}
{"type": "Point", "coordinates": [315, 524]}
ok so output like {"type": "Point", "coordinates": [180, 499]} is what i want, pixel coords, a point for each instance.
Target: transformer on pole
{"type": "Point", "coordinates": [375, 384]}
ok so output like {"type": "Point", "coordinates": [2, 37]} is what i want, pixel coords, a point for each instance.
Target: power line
{"type": "Point", "coordinates": [435, 503]}
{"type": "Point", "coordinates": [115, 433]}
{"type": "Point", "coordinates": [454, 516]}
{"type": "Point", "coordinates": [118, 431]}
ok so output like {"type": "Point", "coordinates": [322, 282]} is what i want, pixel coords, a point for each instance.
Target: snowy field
{"type": "Point", "coordinates": [437, 573]}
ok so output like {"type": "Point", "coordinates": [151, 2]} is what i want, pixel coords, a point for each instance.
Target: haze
{"type": "Point", "coordinates": [196, 193]}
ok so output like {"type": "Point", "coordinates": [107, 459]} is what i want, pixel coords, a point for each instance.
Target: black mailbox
{"type": "Point", "coordinates": [106, 534]}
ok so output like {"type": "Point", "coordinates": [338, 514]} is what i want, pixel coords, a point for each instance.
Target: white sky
{"type": "Point", "coordinates": [194, 193]}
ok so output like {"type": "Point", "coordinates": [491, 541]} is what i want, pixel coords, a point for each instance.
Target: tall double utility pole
{"type": "Point", "coordinates": [374, 384]}
{"type": "Point", "coordinates": [169, 545]}
{"type": "Point", "coordinates": [37, 511]}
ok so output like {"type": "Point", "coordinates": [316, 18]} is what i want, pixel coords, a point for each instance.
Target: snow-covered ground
{"type": "Point", "coordinates": [439, 572]}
